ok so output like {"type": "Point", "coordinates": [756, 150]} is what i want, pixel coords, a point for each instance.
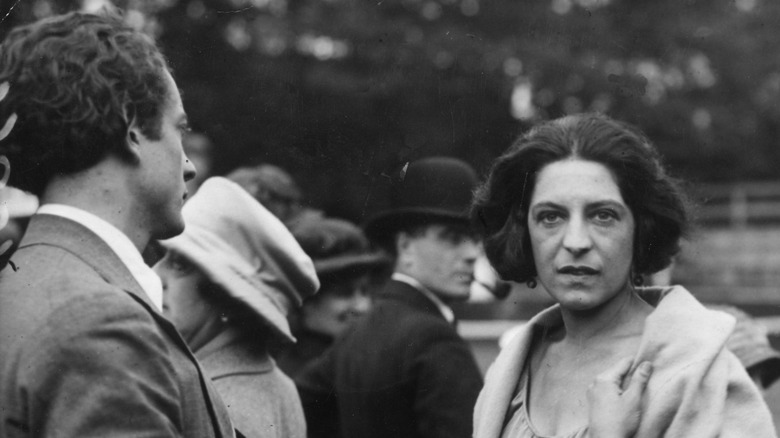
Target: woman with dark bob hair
{"type": "Point", "coordinates": [583, 206]}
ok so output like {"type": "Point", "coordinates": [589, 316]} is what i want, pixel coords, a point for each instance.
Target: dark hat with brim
{"type": "Point", "coordinates": [337, 246]}
{"type": "Point", "coordinates": [352, 264]}
{"type": "Point", "coordinates": [435, 189]}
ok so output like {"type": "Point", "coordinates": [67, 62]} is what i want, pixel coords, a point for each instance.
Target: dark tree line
{"type": "Point", "coordinates": [343, 92]}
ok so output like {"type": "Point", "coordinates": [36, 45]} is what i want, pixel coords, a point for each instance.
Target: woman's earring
{"type": "Point", "coordinates": [224, 318]}
{"type": "Point", "coordinates": [638, 280]}
{"type": "Point", "coordinates": [531, 283]}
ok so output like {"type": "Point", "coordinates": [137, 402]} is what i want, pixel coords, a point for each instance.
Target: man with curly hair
{"type": "Point", "coordinates": [97, 125]}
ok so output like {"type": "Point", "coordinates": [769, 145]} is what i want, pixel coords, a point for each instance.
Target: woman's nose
{"type": "Point", "coordinates": [577, 237]}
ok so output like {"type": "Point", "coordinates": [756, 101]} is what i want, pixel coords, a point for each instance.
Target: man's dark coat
{"type": "Point", "coordinates": [402, 371]}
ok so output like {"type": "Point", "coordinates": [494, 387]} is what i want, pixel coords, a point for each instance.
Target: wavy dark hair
{"type": "Point", "coordinates": [77, 83]}
{"type": "Point", "coordinates": [499, 211]}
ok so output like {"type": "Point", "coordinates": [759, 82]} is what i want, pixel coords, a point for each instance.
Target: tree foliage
{"type": "Point", "coordinates": [343, 92]}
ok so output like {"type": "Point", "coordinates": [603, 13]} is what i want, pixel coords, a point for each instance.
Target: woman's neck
{"type": "Point", "coordinates": [622, 316]}
{"type": "Point", "coordinates": [201, 341]}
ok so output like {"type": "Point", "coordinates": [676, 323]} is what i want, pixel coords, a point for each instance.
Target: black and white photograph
{"type": "Point", "coordinates": [390, 218]}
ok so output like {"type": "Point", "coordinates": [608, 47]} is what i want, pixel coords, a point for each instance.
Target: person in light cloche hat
{"type": "Point", "coordinates": [229, 282]}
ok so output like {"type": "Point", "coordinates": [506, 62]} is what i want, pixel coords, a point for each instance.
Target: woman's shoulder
{"type": "Point", "coordinates": [678, 312]}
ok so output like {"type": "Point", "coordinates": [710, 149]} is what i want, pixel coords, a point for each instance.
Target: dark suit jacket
{"type": "Point", "coordinates": [402, 371]}
{"type": "Point", "coordinates": [309, 346]}
{"type": "Point", "coordinates": [84, 354]}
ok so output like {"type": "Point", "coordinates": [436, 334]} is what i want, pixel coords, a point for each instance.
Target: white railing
{"type": "Point", "coordinates": [487, 330]}
{"type": "Point", "coordinates": [738, 204]}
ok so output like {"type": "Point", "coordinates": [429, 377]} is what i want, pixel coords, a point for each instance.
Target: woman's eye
{"type": "Point", "coordinates": [179, 265]}
{"type": "Point", "coordinates": [605, 215]}
{"type": "Point", "coordinates": [549, 217]}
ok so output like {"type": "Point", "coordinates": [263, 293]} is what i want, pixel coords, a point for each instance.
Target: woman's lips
{"type": "Point", "coordinates": [578, 270]}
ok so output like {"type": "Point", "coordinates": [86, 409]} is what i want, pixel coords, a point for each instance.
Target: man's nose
{"type": "Point", "coordinates": [189, 169]}
{"type": "Point", "coordinates": [470, 250]}
{"type": "Point", "coordinates": [360, 304]}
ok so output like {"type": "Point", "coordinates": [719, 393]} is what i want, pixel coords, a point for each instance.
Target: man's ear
{"type": "Point", "coordinates": [405, 251]}
{"type": "Point", "coordinates": [133, 141]}
{"type": "Point", "coordinates": [402, 242]}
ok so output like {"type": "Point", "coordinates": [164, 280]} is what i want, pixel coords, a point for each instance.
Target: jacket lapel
{"type": "Point", "coordinates": [503, 375]}
{"type": "Point", "coordinates": [46, 229]}
{"type": "Point", "coordinates": [219, 417]}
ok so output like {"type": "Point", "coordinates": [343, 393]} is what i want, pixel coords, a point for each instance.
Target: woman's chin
{"type": "Point", "coordinates": [578, 300]}
{"type": "Point", "coordinates": [577, 306]}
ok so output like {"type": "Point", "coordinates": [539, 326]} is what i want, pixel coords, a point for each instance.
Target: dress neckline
{"type": "Point", "coordinates": [524, 389]}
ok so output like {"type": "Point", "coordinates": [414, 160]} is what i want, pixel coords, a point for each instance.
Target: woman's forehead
{"type": "Point", "coordinates": [580, 180]}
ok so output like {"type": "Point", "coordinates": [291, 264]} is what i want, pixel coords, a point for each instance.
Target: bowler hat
{"type": "Point", "coordinates": [243, 248]}
{"type": "Point", "coordinates": [336, 246]}
{"type": "Point", "coordinates": [430, 190]}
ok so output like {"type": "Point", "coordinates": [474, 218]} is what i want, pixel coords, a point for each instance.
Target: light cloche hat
{"type": "Point", "coordinates": [243, 248]}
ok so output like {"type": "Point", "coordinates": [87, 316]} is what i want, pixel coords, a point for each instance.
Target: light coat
{"type": "Point", "coordinates": [262, 401]}
{"type": "Point", "coordinates": [698, 388]}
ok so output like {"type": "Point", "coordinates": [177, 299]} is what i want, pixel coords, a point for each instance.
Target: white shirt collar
{"type": "Point", "coordinates": [445, 310]}
{"type": "Point", "coordinates": [118, 242]}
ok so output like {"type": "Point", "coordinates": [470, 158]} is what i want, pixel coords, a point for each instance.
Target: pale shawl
{"type": "Point", "coordinates": [697, 389]}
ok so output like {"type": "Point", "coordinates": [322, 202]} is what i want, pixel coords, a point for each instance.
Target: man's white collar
{"type": "Point", "coordinates": [445, 310]}
{"type": "Point", "coordinates": [118, 242]}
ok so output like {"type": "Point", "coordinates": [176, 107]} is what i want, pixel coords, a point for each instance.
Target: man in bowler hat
{"type": "Point", "coordinates": [403, 371]}
{"type": "Point", "coordinates": [96, 122]}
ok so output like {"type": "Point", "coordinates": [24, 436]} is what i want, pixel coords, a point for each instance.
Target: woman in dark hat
{"type": "Point", "coordinates": [229, 282]}
{"type": "Point", "coordinates": [348, 270]}
{"type": "Point", "coordinates": [583, 207]}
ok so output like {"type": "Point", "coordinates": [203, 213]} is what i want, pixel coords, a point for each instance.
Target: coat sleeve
{"type": "Point", "coordinates": [315, 383]}
{"type": "Point", "coordinates": [705, 399]}
{"type": "Point", "coordinates": [745, 412]}
{"type": "Point", "coordinates": [448, 383]}
{"type": "Point", "coordinates": [98, 368]}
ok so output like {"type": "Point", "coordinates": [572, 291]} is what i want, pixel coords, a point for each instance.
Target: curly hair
{"type": "Point", "coordinates": [499, 211]}
{"type": "Point", "coordinates": [77, 83]}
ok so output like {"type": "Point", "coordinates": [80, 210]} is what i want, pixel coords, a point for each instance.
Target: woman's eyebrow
{"type": "Point", "coordinates": [549, 204]}
{"type": "Point", "coordinates": [608, 203]}
{"type": "Point", "coordinates": [590, 205]}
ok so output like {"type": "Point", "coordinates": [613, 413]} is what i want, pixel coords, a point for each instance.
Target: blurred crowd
{"type": "Point", "coordinates": [143, 298]}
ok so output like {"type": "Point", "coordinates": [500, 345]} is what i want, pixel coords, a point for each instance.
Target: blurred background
{"type": "Point", "coordinates": [342, 93]}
